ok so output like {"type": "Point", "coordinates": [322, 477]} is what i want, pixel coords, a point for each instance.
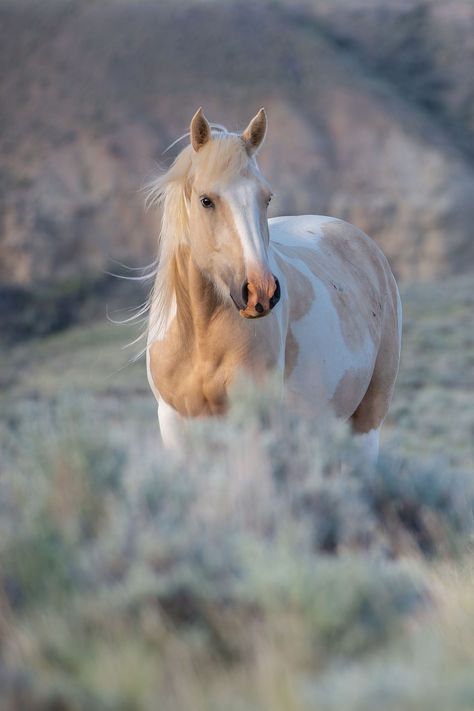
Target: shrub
{"type": "Point", "coordinates": [117, 562]}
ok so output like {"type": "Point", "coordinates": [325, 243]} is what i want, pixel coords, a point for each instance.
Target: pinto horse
{"type": "Point", "coordinates": [309, 297]}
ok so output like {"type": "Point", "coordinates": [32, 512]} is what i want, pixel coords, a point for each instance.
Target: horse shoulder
{"type": "Point", "coordinates": [343, 309]}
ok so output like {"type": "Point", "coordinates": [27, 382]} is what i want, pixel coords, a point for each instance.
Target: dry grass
{"type": "Point", "coordinates": [249, 572]}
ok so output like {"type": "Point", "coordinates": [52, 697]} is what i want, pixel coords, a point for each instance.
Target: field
{"type": "Point", "coordinates": [249, 572]}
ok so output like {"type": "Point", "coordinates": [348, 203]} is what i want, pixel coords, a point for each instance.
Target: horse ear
{"type": "Point", "coordinates": [200, 130]}
{"type": "Point", "coordinates": [254, 134]}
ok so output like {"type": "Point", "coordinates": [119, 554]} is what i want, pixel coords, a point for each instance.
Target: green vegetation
{"type": "Point", "coordinates": [432, 414]}
{"type": "Point", "coordinates": [251, 571]}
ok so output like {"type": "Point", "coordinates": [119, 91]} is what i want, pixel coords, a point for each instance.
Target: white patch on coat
{"type": "Point", "coordinates": [292, 231]}
{"type": "Point", "coordinates": [324, 357]}
{"type": "Point", "coordinates": [242, 200]}
{"type": "Point", "coordinates": [171, 425]}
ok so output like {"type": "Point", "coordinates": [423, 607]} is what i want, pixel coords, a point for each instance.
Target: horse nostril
{"type": "Point", "coordinates": [259, 308]}
{"type": "Point", "coordinates": [276, 294]}
{"type": "Point", "coordinates": [245, 292]}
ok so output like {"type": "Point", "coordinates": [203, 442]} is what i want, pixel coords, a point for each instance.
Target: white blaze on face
{"type": "Point", "coordinates": [242, 198]}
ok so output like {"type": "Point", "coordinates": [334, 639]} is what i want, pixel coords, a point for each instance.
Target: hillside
{"type": "Point", "coordinates": [436, 376]}
{"type": "Point", "coordinates": [92, 92]}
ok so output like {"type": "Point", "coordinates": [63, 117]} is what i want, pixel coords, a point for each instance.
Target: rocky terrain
{"type": "Point", "coordinates": [370, 107]}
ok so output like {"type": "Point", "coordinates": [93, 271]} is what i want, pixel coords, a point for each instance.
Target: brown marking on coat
{"type": "Point", "coordinates": [300, 296]}
{"type": "Point", "coordinates": [366, 275]}
{"type": "Point", "coordinates": [355, 273]}
{"type": "Point", "coordinates": [374, 405]}
{"type": "Point", "coordinates": [300, 299]}
{"type": "Point", "coordinates": [360, 283]}
{"type": "Point", "coordinates": [205, 345]}
{"type": "Point", "coordinates": [362, 288]}
{"type": "Point", "coordinates": [292, 350]}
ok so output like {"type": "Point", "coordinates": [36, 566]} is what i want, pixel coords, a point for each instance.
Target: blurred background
{"type": "Point", "coordinates": [249, 571]}
{"type": "Point", "coordinates": [371, 119]}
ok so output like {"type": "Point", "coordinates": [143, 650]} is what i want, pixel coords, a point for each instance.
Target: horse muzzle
{"type": "Point", "coordinates": [259, 297]}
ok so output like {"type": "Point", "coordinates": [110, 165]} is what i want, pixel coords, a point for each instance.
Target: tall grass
{"type": "Point", "coordinates": [265, 566]}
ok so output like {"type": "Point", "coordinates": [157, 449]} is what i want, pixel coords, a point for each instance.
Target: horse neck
{"type": "Point", "coordinates": [196, 298]}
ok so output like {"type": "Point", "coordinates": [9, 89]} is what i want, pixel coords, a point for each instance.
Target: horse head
{"type": "Point", "coordinates": [228, 199]}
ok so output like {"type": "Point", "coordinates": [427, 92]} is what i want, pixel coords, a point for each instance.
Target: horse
{"type": "Point", "coordinates": [310, 297]}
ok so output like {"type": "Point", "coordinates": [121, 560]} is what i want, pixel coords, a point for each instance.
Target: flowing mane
{"type": "Point", "coordinates": [223, 158]}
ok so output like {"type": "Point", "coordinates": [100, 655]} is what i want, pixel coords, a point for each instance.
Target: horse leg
{"type": "Point", "coordinates": [369, 444]}
{"type": "Point", "coordinates": [368, 418]}
{"type": "Point", "coordinates": [171, 425]}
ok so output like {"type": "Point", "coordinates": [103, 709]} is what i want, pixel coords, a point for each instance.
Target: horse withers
{"type": "Point", "coordinates": [311, 298]}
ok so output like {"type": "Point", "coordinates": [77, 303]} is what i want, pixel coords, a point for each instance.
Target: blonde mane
{"type": "Point", "coordinates": [219, 160]}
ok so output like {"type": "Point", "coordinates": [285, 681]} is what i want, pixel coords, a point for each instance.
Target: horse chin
{"type": "Point", "coordinates": [245, 314]}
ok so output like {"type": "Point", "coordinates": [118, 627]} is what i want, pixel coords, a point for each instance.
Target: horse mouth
{"type": "Point", "coordinates": [244, 313]}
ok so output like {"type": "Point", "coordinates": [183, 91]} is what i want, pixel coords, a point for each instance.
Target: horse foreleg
{"type": "Point", "coordinates": [172, 425]}
{"type": "Point", "coordinates": [369, 444]}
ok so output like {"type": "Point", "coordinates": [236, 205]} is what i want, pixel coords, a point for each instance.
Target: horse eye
{"type": "Point", "coordinates": [206, 202]}
{"type": "Point", "coordinates": [269, 199]}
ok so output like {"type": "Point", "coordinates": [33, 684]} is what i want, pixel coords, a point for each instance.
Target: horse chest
{"type": "Point", "coordinates": [194, 377]}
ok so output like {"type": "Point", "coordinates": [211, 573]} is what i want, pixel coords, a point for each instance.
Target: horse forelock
{"type": "Point", "coordinates": [221, 159]}
{"type": "Point", "coordinates": [218, 161]}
